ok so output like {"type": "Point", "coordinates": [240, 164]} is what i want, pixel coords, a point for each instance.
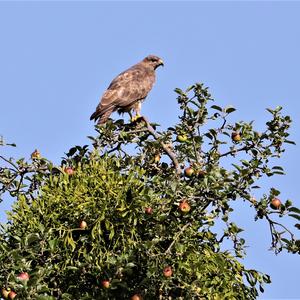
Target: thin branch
{"type": "Point", "coordinates": [176, 238]}
{"type": "Point", "coordinates": [223, 125]}
{"type": "Point", "coordinates": [117, 147]}
{"type": "Point", "coordinates": [137, 131]}
{"type": "Point", "coordinates": [166, 148]}
{"type": "Point", "coordinates": [222, 238]}
{"type": "Point", "coordinates": [273, 231]}
{"type": "Point", "coordinates": [197, 153]}
{"type": "Point", "coordinates": [9, 162]}
{"type": "Point", "coordinates": [281, 225]}
{"type": "Point", "coordinates": [276, 236]}
{"type": "Point", "coordinates": [235, 151]}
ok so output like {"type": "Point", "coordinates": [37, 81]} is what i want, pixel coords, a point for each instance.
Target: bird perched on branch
{"type": "Point", "coordinates": [128, 90]}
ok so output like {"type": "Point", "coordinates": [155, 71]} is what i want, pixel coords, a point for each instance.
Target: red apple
{"type": "Point", "coordinates": [184, 206]}
{"type": "Point", "coordinates": [157, 158]}
{"type": "Point", "coordinates": [12, 295]}
{"type": "Point", "coordinates": [105, 284]}
{"type": "Point", "coordinates": [275, 203]}
{"type": "Point", "coordinates": [23, 276]}
{"type": "Point", "coordinates": [189, 172]}
{"type": "Point", "coordinates": [136, 297]}
{"type": "Point", "coordinates": [236, 136]}
{"type": "Point", "coordinates": [148, 210]}
{"type": "Point", "coordinates": [83, 225]}
{"type": "Point", "coordinates": [69, 171]}
{"type": "Point", "coordinates": [167, 271]}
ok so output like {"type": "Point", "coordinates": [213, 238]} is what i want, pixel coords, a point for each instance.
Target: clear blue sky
{"type": "Point", "coordinates": [56, 59]}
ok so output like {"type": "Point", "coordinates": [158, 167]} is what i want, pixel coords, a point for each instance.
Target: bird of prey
{"type": "Point", "coordinates": [128, 90]}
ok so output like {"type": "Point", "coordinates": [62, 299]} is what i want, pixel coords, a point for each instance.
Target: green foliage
{"type": "Point", "coordinates": [131, 200]}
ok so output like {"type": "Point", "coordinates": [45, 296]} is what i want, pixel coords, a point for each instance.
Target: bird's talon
{"type": "Point", "coordinates": [135, 118]}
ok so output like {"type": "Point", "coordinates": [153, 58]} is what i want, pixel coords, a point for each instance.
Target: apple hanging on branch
{"type": "Point", "coordinates": [275, 203]}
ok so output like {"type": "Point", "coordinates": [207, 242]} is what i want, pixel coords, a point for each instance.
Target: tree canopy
{"type": "Point", "coordinates": [133, 215]}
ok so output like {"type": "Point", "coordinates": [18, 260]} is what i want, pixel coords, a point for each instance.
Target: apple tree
{"type": "Point", "coordinates": [143, 213]}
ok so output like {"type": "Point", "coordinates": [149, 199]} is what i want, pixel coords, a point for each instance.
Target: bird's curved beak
{"type": "Point", "coordinates": [161, 63]}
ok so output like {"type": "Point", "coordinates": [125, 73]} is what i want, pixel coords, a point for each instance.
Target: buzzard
{"type": "Point", "coordinates": [128, 90]}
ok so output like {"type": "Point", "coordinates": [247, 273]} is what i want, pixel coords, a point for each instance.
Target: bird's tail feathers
{"type": "Point", "coordinates": [95, 115]}
{"type": "Point", "coordinates": [101, 115]}
{"type": "Point", "coordinates": [103, 118]}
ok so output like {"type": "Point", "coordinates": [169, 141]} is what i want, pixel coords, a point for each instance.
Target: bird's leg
{"type": "Point", "coordinates": [130, 115]}
{"type": "Point", "coordinates": [137, 109]}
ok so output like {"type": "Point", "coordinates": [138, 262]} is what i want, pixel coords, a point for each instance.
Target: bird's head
{"type": "Point", "coordinates": [153, 61]}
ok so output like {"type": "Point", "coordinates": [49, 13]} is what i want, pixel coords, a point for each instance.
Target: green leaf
{"type": "Point", "coordinates": [278, 173]}
{"type": "Point", "coordinates": [229, 109]}
{"type": "Point", "coordinates": [288, 242]}
{"type": "Point", "coordinates": [111, 234]}
{"type": "Point", "coordinates": [190, 88]}
{"type": "Point", "coordinates": [261, 289]}
{"type": "Point", "coordinates": [216, 107]}
{"type": "Point", "coordinates": [178, 91]}
{"type": "Point", "coordinates": [277, 168]}
{"type": "Point", "coordinates": [213, 132]}
{"type": "Point", "coordinates": [71, 268]}
{"type": "Point", "coordinates": [31, 238]}
{"type": "Point", "coordinates": [72, 151]}
{"type": "Point", "coordinates": [67, 296]}
{"type": "Point", "coordinates": [209, 135]}
{"type": "Point", "coordinates": [53, 243]}
{"type": "Point", "coordinates": [295, 216]}
{"type": "Point", "coordinates": [238, 167]}
{"type": "Point", "coordinates": [290, 142]}
{"type": "Point", "coordinates": [294, 209]}
{"type": "Point", "coordinates": [266, 278]}
{"type": "Point", "coordinates": [255, 187]}
{"type": "Point", "coordinates": [245, 162]}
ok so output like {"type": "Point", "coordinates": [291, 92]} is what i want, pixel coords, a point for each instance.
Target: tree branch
{"type": "Point", "coordinates": [166, 148]}
{"type": "Point", "coordinates": [9, 162]}
{"type": "Point", "coordinates": [275, 239]}
{"type": "Point", "coordinates": [232, 152]}
{"type": "Point", "coordinates": [176, 238]}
